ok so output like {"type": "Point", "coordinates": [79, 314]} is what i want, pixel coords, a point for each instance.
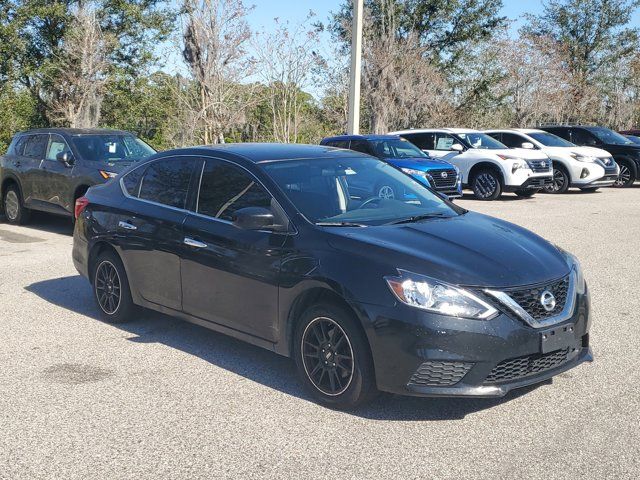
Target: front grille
{"type": "Point", "coordinates": [520, 367]}
{"type": "Point", "coordinates": [530, 298]}
{"type": "Point", "coordinates": [440, 374]}
{"type": "Point", "coordinates": [444, 182]}
{"type": "Point", "coordinates": [540, 166]}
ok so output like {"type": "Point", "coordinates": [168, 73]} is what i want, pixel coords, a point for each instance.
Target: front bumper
{"type": "Point", "coordinates": [424, 354]}
{"type": "Point", "coordinates": [532, 183]}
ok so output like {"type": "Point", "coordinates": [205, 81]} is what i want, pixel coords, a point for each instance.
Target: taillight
{"type": "Point", "coordinates": [81, 204]}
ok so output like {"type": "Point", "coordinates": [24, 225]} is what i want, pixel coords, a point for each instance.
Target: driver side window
{"type": "Point", "coordinates": [444, 141]}
{"type": "Point", "coordinates": [582, 137]}
{"type": "Point", "coordinates": [56, 145]}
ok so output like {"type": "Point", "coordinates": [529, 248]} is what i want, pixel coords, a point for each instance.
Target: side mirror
{"type": "Point", "coordinates": [528, 145]}
{"type": "Point", "coordinates": [255, 218]}
{"type": "Point", "coordinates": [66, 158]}
{"type": "Point", "coordinates": [456, 147]}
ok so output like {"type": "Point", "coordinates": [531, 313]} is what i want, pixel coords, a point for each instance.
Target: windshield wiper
{"type": "Point", "coordinates": [340, 224]}
{"type": "Point", "coordinates": [417, 218]}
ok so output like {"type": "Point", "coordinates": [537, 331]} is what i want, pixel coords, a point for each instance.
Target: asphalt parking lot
{"type": "Point", "coordinates": [160, 398]}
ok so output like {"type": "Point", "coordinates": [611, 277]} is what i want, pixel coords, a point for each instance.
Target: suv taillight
{"type": "Point", "coordinates": [81, 204]}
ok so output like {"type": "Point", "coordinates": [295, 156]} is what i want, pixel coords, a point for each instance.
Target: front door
{"type": "Point", "coordinates": [54, 177]}
{"type": "Point", "coordinates": [230, 275]}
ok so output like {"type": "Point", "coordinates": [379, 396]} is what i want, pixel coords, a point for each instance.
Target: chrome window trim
{"type": "Point", "coordinates": [565, 314]}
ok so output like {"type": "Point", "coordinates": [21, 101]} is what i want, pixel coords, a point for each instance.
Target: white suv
{"type": "Point", "coordinates": [487, 166]}
{"type": "Point", "coordinates": [587, 168]}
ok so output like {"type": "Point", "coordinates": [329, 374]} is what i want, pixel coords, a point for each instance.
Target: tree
{"type": "Point", "coordinates": [215, 40]}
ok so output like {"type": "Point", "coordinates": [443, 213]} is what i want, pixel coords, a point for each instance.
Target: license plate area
{"type": "Point", "coordinates": [557, 338]}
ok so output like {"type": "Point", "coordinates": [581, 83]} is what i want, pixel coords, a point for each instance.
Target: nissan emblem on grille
{"type": "Point", "coordinates": [543, 164]}
{"type": "Point", "coordinates": [444, 175]}
{"type": "Point", "coordinates": [547, 300]}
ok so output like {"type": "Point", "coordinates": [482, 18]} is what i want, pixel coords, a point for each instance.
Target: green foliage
{"type": "Point", "coordinates": [17, 112]}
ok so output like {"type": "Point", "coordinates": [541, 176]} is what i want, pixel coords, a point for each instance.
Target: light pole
{"type": "Point", "coordinates": [353, 121]}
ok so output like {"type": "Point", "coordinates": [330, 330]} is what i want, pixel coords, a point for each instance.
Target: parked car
{"type": "Point", "coordinates": [265, 243]}
{"type": "Point", "coordinates": [625, 152]}
{"type": "Point", "coordinates": [586, 168]}
{"type": "Point", "coordinates": [487, 166]}
{"type": "Point", "coordinates": [48, 169]}
{"type": "Point", "coordinates": [633, 138]}
{"type": "Point", "coordinates": [437, 174]}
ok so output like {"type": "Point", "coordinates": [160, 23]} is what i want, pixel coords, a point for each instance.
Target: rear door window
{"type": "Point", "coordinates": [512, 140]}
{"type": "Point", "coordinates": [226, 188]}
{"type": "Point", "coordinates": [360, 146]}
{"type": "Point", "coordinates": [18, 148]}
{"type": "Point", "coordinates": [36, 146]}
{"type": "Point", "coordinates": [424, 141]}
{"type": "Point", "coordinates": [167, 181]}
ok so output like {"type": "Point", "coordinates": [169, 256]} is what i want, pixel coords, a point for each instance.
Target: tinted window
{"type": "Point", "coordinates": [582, 137]}
{"type": "Point", "coordinates": [609, 136]}
{"type": "Point", "coordinates": [339, 144]}
{"type": "Point", "coordinates": [36, 146]}
{"type": "Point", "coordinates": [496, 135]}
{"type": "Point", "coordinates": [18, 148]}
{"type": "Point", "coordinates": [131, 181]}
{"type": "Point", "coordinates": [512, 140]}
{"type": "Point", "coordinates": [360, 146]}
{"type": "Point", "coordinates": [225, 188]}
{"type": "Point", "coordinates": [167, 182]}
{"type": "Point", "coordinates": [56, 145]}
{"type": "Point", "coordinates": [560, 132]}
{"type": "Point", "coordinates": [550, 140]}
{"type": "Point", "coordinates": [424, 141]}
{"type": "Point", "coordinates": [396, 148]}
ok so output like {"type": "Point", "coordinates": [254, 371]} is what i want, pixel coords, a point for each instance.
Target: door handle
{"type": "Point", "coordinates": [194, 243]}
{"type": "Point", "coordinates": [126, 225]}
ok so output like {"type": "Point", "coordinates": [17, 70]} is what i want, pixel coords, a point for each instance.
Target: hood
{"type": "Point", "coordinates": [471, 249]}
{"type": "Point", "coordinates": [419, 163]}
{"type": "Point", "coordinates": [591, 151]}
{"type": "Point", "coordinates": [524, 153]}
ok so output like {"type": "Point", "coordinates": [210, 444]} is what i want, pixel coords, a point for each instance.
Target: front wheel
{"type": "Point", "coordinates": [560, 183]}
{"type": "Point", "coordinates": [111, 289]}
{"type": "Point", "coordinates": [332, 357]}
{"type": "Point", "coordinates": [486, 185]}
{"type": "Point", "coordinates": [626, 177]}
{"type": "Point", "coordinates": [13, 207]}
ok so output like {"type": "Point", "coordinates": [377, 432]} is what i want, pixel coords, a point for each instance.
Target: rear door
{"type": "Point", "coordinates": [150, 227]}
{"type": "Point", "coordinates": [230, 275]}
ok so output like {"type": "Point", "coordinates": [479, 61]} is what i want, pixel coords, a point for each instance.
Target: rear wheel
{"type": "Point", "coordinates": [332, 357]}
{"type": "Point", "coordinates": [560, 182]}
{"type": "Point", "coordinates": [626, 177]}
{"type": "Point", "coordinates": [486, 185]}
{"type": "Point", "coordinates": [111, 288]}
{"type": "Point", "coordinates": [13, 207]}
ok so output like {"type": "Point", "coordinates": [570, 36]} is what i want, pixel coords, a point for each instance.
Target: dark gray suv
{"type": "Point", "coordinates": [48, 169]}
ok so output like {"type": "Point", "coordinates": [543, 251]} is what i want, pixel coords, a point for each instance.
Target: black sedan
{"type": "Point", "coordinates": [271, 244]}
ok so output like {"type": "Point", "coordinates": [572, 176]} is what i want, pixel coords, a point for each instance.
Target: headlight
{"type": "Point", "coordinates": [107, 175]}
{"type": "Point", "coordinates": [574, 264]}
{"type": "Point", "coordinates": [584, 158]}
{"type": "Point", "coordinates": [411, 171]}
{"type": "Point", "coordinates": [434, 296]}
{"type": "Point", "coordinates": [518, 165]}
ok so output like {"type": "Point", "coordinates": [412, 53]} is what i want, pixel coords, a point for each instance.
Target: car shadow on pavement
{"type": "Point", "coordinates": [46, 222]}
{"type": "Point", "coordinates": [257, 364]}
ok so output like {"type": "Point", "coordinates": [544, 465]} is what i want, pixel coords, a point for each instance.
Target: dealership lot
{"type": "Point", "coordinates": [80, 398]}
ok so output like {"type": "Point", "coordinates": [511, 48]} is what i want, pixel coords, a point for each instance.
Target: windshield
{"type": "Point", "coordinates": [481, 140]}
{"type": "Point", "coordinates": [550, 140]}
{"type": "Point", "coordinates": [634, 138]}
{"type": "Point", "coordinates": [111, 148]}
{"type": "Point", "coordinates": [395, 148]}
{"type": "Point", "coordinates": [355, 191]}
{"type": "Point", "coordinates": [609, 136]}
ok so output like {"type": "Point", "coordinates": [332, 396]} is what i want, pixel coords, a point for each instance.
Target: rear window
{"type": "Point", "coordinates": [167, 182]}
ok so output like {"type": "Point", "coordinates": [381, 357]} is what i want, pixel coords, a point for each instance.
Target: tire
{"type": "Point", "coordinates": [486, 184]}
{"type": "Point", "coordinates": [526, 193]}
{"type": "Point", "coordinates": [115, 303]}
{"type": "Point", "coordinates": [561, 180]}
{"type": "Point", "coordinates": [627, 175]}
{"type": "Point", "coordinates": [387, 191]}
{"type": "Point", "coordinates": [14, 210]}
{"type": "Point", "coordinates": [589, 189]}
{"type": "Point", "coordinates": [325, 371]}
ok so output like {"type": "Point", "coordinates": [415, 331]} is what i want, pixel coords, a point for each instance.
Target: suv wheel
{"type": "Point", "coordinates": [486, 185]}
{"type": "Point", "coordinates": [560, 182]}
{"type": "Point", "coordinates": [332, 357]}
{"type": "Point", "coordinates": [13, 207]}
{"type": "Point", "coordinates": [626, 176]}
{"type": "Point", "coordinates": [111, 288]}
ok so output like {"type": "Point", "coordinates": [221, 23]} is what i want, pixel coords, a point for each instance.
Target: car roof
{"type": "Point", "coordinates": [427, 130]}
{"type": "Point", "coordinates": [516, 130]}
{"type": "Point", "coordinates": [267, 152]}
{"type": "Point", "coordinates": [361, 137]}
{"type": "Point", "coordinates": [76, 131]}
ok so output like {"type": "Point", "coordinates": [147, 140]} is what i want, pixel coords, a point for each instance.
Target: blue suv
{"type": "Point", "coordinates": [437, 174]}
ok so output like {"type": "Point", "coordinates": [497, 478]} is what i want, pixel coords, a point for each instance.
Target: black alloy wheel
{"type": "Point", "coordinates": [560, 182]}
{"type": "Point", "coordinates": [486, 185]}
{"type": "Point", "coordinates": [333, 358]}
{"type": "Point", "coordinates": [111, 288]}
